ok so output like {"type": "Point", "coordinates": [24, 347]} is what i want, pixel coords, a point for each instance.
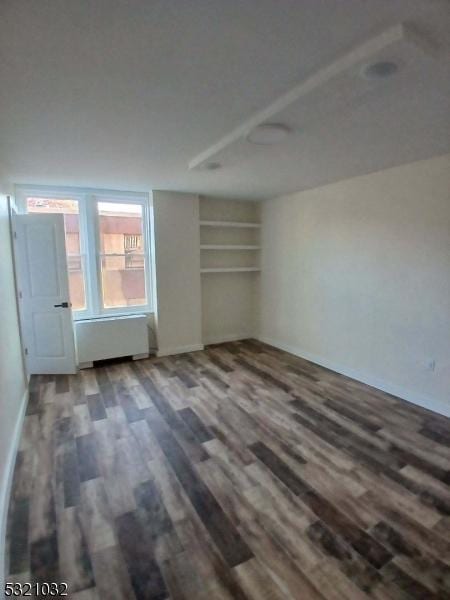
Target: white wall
{"type": "Point", "coordinates": [356, 276]}
{"type": "Point", "coordinates": [177, 272]}
{"type": "Point", "coordinates": [12, 377]}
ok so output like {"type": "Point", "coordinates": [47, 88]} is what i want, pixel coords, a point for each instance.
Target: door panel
{"type": "Point", "coordinates": [42, 258]}
{"type": "Point", "coordinates": [48, 335]}
{"type": "Point", "coordinates": [43, 284]}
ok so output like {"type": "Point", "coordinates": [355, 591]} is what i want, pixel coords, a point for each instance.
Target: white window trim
{"type": "Point", "coordinates": [87, 199]}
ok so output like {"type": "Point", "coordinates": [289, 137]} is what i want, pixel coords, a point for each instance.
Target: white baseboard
{"type": "Point", "coordinates": [6, 484]}
{"type": "Point", "coordinates": [179, 350]}
{"type": "Point", "coordinates": [85, 365]}
{"type": "Point", "coordinates": [232, 337]}
{"type": "Point", "coordinates": [140, 356]}
{"type": "Point", "coordinates": [385, 386]}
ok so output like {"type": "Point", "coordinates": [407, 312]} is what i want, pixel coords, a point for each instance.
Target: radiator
{"type": "Point", "coordinates": [111, 337]}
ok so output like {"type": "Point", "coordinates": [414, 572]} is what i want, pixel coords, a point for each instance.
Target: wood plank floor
{"type": "Point", "coordinates": [237, 472]}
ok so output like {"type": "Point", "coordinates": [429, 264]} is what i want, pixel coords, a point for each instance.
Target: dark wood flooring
{"type": "Point", "coordinates": [237, 472]}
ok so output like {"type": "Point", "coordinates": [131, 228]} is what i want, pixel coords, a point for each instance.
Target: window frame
{"type": "Point", "coordinates": [89, 222]}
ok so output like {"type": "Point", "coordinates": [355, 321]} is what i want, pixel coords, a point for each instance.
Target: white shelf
{"type": "Point", "coordinates": [229, 224]}
{"type": "Point", "coordinates": [228, 247]}
{"type": "Point", "coordinates": [230, 270]}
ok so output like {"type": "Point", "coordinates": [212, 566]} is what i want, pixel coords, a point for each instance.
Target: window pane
{"type": "Point", "coordinates": [75, 260]}
{"type": "Point", "coordinates": [122, 254]}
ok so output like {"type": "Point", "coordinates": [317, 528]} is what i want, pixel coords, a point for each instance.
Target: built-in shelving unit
{"type": "Point", "coordinates": [228, 247]}
{"type": "Point", "coordinates": [235, 224]}
{"type": "Point", "coordinates": [229, 268]}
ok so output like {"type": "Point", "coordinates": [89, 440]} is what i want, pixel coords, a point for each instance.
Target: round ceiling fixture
{"type": "Point", "coordinates": [380, 70]}
{"type": "Point", "coordinates": [212, 166]}
{"type": "Point", "coordinates": [268, 133]}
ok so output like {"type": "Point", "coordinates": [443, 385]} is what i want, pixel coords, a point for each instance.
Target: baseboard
{"type": "Point", "coordinates": [179, 350]}
{"type": "Point", "coordinates": [6, 484]}
{"type": "Point", "coordinates": [232, 337]}
{"type": "Point", "coordinates": [385, 386]}
{"type": "Point", "coordinates": [85, 365]}
{"type": "Point", "coordinates": [140, 356]}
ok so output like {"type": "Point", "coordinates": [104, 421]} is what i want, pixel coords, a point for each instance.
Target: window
{"type": "Point", "coordinates": [122, 262]}
{"type": "Point", "coordinates": [107, 244]}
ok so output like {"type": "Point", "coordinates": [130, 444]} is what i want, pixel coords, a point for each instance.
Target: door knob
{"type": "Point", "coordinates": [62, 305]}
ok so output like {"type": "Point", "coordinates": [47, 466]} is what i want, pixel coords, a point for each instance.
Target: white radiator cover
{"type": "Point", "coordinates": [111, 337]}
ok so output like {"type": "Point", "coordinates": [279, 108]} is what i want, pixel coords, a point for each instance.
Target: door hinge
{"type": "Point", "coordinates": [20, 294]}
{"type": "Point", "coordinates": [26, 351]}
{"type": "Point", "coordinates": [15, 235]}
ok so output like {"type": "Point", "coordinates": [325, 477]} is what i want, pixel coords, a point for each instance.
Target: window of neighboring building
{"type": "Point", "coordinates": [107, 244]}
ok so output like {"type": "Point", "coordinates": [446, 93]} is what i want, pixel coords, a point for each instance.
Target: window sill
{"type": "Point", "coordinates": [85, 318]}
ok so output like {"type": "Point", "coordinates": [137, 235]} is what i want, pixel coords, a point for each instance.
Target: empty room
{"type": "Point", "coordinates": [225, 299]}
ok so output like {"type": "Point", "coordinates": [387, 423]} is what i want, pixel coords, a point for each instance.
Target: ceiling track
{"type": "Point", "coordinates": [360, 55]}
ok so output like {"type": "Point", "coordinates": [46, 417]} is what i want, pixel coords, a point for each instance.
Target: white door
{"type": "Point", "coordinates": [43, 285]}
